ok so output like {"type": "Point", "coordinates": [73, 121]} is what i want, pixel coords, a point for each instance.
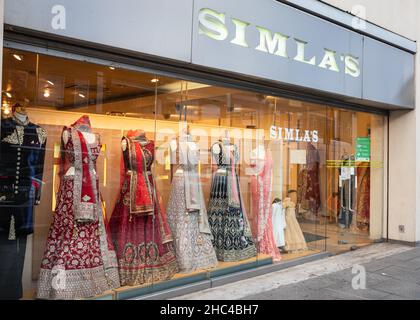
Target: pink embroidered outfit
{"type": "Point", "coordinates": [79, 260]}
{"type": "Point", "coordinates": [139, 226]}
{"type": "Point", "coordinates": [261, 208]}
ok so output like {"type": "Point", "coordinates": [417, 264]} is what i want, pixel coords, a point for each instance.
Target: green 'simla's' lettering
{"type": "Point", "coordinates": [352, 66]}
{"type": "Point", "coordinates": [240, 33]}
{"type": "Point", "coordinates": [269, 43]}
{"type": "Point", "coordinates": [329, 61]}
{"type": "Point", "coordinates": [300, 56]}
{"type": "Point", "coordinates": [213, 24]}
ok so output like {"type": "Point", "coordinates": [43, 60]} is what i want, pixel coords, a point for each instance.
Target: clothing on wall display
{"type": "Point", "coordinates": [139, 226]}
{"type": "Point", "coordinates": [279, 223]}
{"type": "Point", "coordinates": [79, 260]}
{"type": "Point", "coordinates": [261, 189]}
{"type": "Point", "coordinates": [363, 195]}
{"type": "Point", "coordinates": [294, 239]}
{"type": "Point", "coordinates": [309, 195]}
{"type": "Point", "coordinates": [227, 217]}
{"type": "Point", "coordinates": [22, 153]}
{"type": "Point", "coordinates": [187, 214]}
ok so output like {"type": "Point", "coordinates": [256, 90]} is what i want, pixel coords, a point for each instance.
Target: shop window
{"type": "Point", "coordinates": [113, 180]}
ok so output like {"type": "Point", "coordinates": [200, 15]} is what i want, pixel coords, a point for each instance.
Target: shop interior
{"type": "Point", "coordinates": [310, 177]}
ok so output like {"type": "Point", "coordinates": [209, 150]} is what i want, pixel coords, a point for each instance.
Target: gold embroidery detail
{"type": "Point", "coordinates": [11, 138]}
{"type": "Point", "coordinates": [20, 132]}
{"type": "Point", "coordinates": [12, 230]}
{"type": "Point", "coordinates": [42, 135]}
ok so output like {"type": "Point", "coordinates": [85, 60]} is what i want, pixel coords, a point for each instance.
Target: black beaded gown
{"type": "Point", "coordinates": [232, 238]}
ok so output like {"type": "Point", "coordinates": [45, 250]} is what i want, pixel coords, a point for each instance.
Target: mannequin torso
{"type": "Point", "coordinates": [89, 137]}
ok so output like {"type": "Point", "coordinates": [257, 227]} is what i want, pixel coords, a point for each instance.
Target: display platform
{"type": "Point", "coordinates": [181, 279]}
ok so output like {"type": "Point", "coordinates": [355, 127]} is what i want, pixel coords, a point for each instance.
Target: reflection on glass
{"type": "Point", "coordinates": [195, 181]}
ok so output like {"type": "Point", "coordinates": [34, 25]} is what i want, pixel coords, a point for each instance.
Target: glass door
{"type": "Point", "coordinates": [355, 179]}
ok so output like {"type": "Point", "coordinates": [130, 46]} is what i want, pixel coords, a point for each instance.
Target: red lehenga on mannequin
{"type": "Point", "coordinates": [79, 260]}
{"type": "Point", "coordinates": [261, 190]}
{"type": "Point", "coordinates": [139, 226]}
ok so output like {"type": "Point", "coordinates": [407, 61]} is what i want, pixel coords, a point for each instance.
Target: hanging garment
{"type": "Point", "coordinates": [227, 217]}
{"type": "Point", "coordinates": [295, 241]}
{"type": "Point", "coordinates": [139, 227]}
{"type": "Point", "coordinates": [347, 190]}
{"type": "Point", "coordinates": [279, 223]}
{"type": "Point", "coordinates": [22, 153]}
{"type": "Point", "coordinates": [309, 195]}
{"type": "Point", "coordinates": [187, 214]}
{"type": "Point", "coordinates": [79, 260]}
{"type": "Point", "coordinates": [363, 194]}
{"type": "Point", "coordinates": [261, 188]}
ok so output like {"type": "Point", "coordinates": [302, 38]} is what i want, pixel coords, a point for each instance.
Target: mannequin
{"type": "Point", "coordinates": [261, 210]}
{"type": "Point", "coordinates": [138, 220]}
{"type": "Point", "coordinates": [78, 232]}
{"type": "Point", "coordinates": [216, 149]}
{"type": "Point", "coordinates": [226, 207]}
{"type": "Point", "coordinates": [294, 238]}
{"type": "Point", "coordinates": [89, 137]}
{"type": "Point", "coordinates": [187, 214]}
{"type": "Point", "coordinates": [140, 135]}
{"type": "Point", "coordinates": [279, 223]}
{"type": "Point", "coordinates": [22, 152]}
{"type": "Point", "coordinates": [20, 114]}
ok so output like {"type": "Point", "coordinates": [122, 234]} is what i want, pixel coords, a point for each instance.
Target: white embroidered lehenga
{"type": "Point", "coordinates": [187, 214]}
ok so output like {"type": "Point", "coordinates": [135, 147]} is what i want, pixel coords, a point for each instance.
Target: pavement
{"type": "Point", "coordinates": [377, 272]}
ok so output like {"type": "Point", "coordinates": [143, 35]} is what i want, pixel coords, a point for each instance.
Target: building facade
{"type": "Point", "coordinates": [163, 145]}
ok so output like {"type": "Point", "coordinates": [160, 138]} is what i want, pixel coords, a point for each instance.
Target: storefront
{"type": "Point", "coordinates": [154, 145]}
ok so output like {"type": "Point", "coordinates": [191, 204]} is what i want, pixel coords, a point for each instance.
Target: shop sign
{"type": "Point", "coordinates": [213, 25]}
{"type": "Point", "coordinates": [293, 135]}
{"type": "Point", "coordinates": [362, 149]}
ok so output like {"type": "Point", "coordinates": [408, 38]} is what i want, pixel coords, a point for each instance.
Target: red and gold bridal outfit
{"type": "Point", "coordinates": [79, 260]}
{"type": "Point", "coordinates": [139, 225]}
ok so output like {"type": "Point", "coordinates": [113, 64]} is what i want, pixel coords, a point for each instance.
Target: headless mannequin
{"type": "Point", "coordinates": [141, 137]}
{"type": "Point", "coordinates": [19, 114]}
{"type": "Point", "coordinates": [89, 138]}
{"type": "Point", "coordinates": [216, 148]}
{"type": "Point", "coordinates": [173, 145]}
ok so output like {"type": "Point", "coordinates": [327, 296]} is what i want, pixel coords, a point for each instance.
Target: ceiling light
{"type": "Point", "coordinates": [112, 68]}
{"type": "Point", "coordinates": [46, 93]}
{"type": "Point", "coordinates": [18, 57]}
{"type": "Point", "coordinates": [6, 109]}
{"type": "Point", "coordinates": [50, 82]}
{"type": "Point", "coordinates": [8, 94]}
{"type": "Point", "coordinates": [81, 95]}
{"type": "Point", "coordinates": [154, 80]}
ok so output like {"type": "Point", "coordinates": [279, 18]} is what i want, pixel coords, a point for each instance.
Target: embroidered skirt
{"type": "Point", "coordinates": [231, 232]}
{"type": "Point", "coordinates": [194, 249]}
{"type": "Point", "coordinates": [144, 256]}
{"type": "Point", "coordinates": [79, 260]}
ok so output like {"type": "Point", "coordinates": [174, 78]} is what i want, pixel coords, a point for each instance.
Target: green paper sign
{"type": "Point", "coordinates": [362, 149]}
